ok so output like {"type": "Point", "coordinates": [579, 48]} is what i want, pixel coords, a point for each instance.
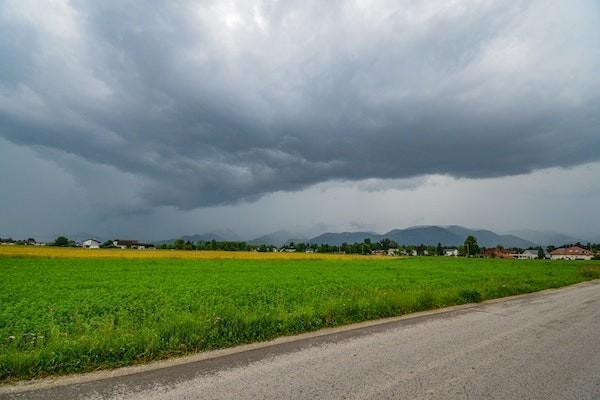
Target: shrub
{"type": "Point", "coordinates": [470, 295]}
{"type": "Point", "coordinates": [590, 272]}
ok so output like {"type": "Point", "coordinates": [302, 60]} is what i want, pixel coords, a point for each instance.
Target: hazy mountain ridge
{"type": "Point", "coordinates": [489, 238]}
{"type": "Point", "coordinates": [451, 235]}
{"type": "Point", "coordinates": [203, 237]}
{"type": "Point", "coordinates": [344, 237]}
{"type": "Point", "coordinates": [278, 238]}
{"type": "Point", "coordinates": [545, 238]}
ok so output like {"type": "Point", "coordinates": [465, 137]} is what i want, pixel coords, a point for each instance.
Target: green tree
{"type": "Point", "coordinates": [107, 244]}
{"type": "Point", "coordinates": [471, 246]}
{"type": "Point", "coordinates": [541, 254]}
{"type": "Point", "coordinates": [439, 250]}
{"type": "Point", "coordinates": [62, 241]}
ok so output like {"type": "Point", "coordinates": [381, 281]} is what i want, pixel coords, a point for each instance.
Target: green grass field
{"type": "Point", "coordinates": [62, 315]}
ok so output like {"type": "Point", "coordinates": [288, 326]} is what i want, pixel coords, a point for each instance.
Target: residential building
{"type": "Point", "coordinates": [496, 252]}
{"type": "Point", "coordinates": [124, 244]}
{"type": "Point", "coordinates": [392, 252]}
{"type": "Point", "coordinates": [531, 254]}
{"type": "Point", "coordinates": [451, 252]}
{"type": "Point", "coordinates": [571, 253]}
{"type": "Point", "coordinates": [91, 244]}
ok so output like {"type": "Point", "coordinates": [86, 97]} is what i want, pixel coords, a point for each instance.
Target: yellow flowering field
{"type": "Point", "coordinates": [78, 252]}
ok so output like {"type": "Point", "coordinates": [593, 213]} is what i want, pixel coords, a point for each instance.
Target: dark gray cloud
{"type": "Point", "coordinates": [209, 103]}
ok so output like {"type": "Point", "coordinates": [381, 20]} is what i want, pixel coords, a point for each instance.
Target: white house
{"type": "Point", "coordinates": [91, 244]}
{"type": "Point", "coordinates": [451, 252]}
{"type": "Point", "coordinates": [392, 252]}
{"type": "Point", "coordinates": [527, 255]}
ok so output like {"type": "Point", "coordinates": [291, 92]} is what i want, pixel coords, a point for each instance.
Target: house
{"type": "Point", "coordinates": [378, 252]}
{"type": "Point", "coordinates": [392, 252]}
{"type": "Point", "coordinates": [91, 244]}
{"type": "Point", "coordinates": [571, 253]}
{"type": "Point", "coordinates": [496, 252]}
{"type": "Point", "coordinates": [414, 253]}
{"type": "Point", "coordinates": [125, 244]}
{"type": "Point", "coordinates": [309, 251]}
{"type": "Point", "coordinates": [451, 252]}
{"type": "Point", "coordinates": [531, 254]}
{"type": "Point", "coordinates": [528, 255]}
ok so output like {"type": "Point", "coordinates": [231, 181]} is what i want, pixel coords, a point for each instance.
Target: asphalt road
{"type": "Point", "coordinates": [542, 346]}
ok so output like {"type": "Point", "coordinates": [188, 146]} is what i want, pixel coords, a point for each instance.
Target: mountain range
{"type": "Point", "coordinates": [203, 237]}
{"type": "Point", "coordinates": [278, 238]}
{"type": "Point", "coordinates": [546, 238]}
{"type": "Point", "coordinates": [452, 235]}
{"type": "Point", "coordinates": [219, 236]}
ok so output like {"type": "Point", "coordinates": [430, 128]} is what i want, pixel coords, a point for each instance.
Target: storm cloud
{"type": "Point", "coordinates": [192, 104]}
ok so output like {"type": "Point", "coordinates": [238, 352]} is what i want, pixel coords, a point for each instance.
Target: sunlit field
{"type": "Point", "coordinates": [78, 252]}
{"type": "Point", "coordinates": [75, 310]}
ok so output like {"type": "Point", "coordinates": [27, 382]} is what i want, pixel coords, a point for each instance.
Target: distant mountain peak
{"type": "Point", "coordinates": [452, 235]}
{"type": "Point", "coordinates": [278, 238]}
{"type": "Point", "coordinates": [202, 237]}
{"type": "Point", "coordinates": [447, 235]}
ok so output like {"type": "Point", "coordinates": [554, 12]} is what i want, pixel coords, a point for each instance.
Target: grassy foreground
{"type": "Point", "coordinates": [61, 315]}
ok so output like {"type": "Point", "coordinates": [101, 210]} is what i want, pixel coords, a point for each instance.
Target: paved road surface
{"type": "Point", "coordinates": [544, 346]}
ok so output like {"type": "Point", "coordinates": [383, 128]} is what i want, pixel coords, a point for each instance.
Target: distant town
{"type": "Point", "coordinates": [383, 247]}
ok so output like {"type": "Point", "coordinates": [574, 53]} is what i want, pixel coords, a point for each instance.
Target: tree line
{"type": "Point", "coordinates": [469, 248]}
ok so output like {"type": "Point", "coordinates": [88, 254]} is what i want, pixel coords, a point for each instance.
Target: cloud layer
{"type": "Point", "coordinates": [191, 104]}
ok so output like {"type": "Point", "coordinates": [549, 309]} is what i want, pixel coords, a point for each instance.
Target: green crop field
{"type": "Point", "coordinates": [62, 315]}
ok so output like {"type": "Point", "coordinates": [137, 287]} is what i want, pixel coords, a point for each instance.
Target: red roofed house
{"type": "Point", "coordinates": [497, 253]}
{"type": "Point", "coordinates": [571, 253]}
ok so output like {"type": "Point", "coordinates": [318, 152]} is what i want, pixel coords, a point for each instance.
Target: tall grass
{"type": "Point", "coordinates": [62, 315]}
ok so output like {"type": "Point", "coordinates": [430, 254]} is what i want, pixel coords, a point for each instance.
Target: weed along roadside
{"type": "Point", "coordinates": [73, 314]}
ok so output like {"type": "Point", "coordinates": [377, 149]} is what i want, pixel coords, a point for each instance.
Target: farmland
{"type": "Point", "coordinates": [73, 252]}
{"type": "Point", "coordinates": [73, 310]}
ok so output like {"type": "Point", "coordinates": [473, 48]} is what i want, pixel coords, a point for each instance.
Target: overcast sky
{"type": "Point", "coordinates": [156, 119]}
